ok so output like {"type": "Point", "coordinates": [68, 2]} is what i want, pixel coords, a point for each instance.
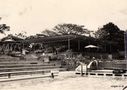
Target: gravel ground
{"type": "Point", "coordinates": [66, 81]}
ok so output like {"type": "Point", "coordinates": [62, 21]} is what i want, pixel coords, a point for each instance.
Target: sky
{"type": "Point", "coordinates": [34, 16]}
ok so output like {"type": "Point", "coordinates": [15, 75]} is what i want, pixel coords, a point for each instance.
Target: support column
{"type": "Point", "coordinates": [78, 45]}
{"type": "Point", "coordinates": [68, 43]}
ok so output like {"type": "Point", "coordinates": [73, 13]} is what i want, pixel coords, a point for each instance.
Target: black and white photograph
{"type": "Point", "coordinates": [63, 44]}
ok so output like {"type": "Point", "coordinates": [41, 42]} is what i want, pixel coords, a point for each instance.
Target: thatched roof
{"type": "Point", "coordinates": [11, 38]}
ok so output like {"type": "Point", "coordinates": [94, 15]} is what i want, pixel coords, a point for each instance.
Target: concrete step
{"type": "Point", "coordinates": [29, 72]}
{"type": "Point", "coordinates": [25, 65]}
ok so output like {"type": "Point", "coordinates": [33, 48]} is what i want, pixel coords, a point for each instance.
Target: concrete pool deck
{"type": "Point", "coordinates": [67, 80]}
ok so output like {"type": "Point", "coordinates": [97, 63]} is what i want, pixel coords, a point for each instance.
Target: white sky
{"type": "Point", "coordinates": [33, 16]}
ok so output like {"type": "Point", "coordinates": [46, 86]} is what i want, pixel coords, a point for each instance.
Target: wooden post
{"type": "Point", "coordinates": [86, 70]}
{"type": "Point", "coordinates": [78, 45]}
{"type": "Point", "coordinates": [81, 70]}
{"type": "Point", "coordinates": [9, 75]}
{"type": "Point", "coordinates": [68, 43]}
{"type": "Point", "coordinates": [52, 75]}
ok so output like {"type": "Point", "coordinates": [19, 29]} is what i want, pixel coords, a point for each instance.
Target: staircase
{"type": "Point", "coordinates": [11, 66]}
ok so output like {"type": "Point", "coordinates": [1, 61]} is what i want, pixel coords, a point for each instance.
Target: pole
{"type": "Point", "coordinates": [68, 43]}
{"type": "Point", "coordinates": [81, 70]}
{"type": "Point", "coordinates": [78, 45]}
{"type": "Point", "coordinates": [52, 75]}
{"type": "Point", "coordinates": [86, 70]}
{"type": "Point", "coordinates": [125, 47]}
{"type": "Point", "coordinates": [110, 48]}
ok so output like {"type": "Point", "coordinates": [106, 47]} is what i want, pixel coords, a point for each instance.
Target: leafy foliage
{"type": "Point", "coordinates": [107, 32]}
{"type": "Point", "coordinates": [3, 28]}
{"type": "Point", "coordinates": [111, 37]}
{"type": "Point", "coordinates": [21, 35]}
{"type": "Point", "coordinates": [65, 29]}
{"type": "Point", "coordinates": [49, 33]}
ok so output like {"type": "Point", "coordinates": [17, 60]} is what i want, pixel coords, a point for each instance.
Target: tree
{"type": "Point", "coordinates": [3, 28]}
{"type": "Point", "coordinates": [107, 32]}
{"type": "Point", "coordinates": [65, 29]}
{"type": "Point", "coordinates": [49, 33]}
{"type": "Point", "coordinates": [111, 37]}
{"type": "Point", "coordinates": [21, 35]}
